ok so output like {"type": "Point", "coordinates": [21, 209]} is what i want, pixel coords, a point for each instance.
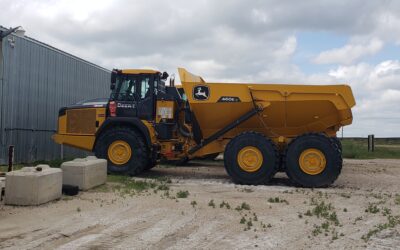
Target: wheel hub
{"type": "Point", "coordinates": [119, 152]}
{"type": "Point", "coordinates": [250, 159]}
{"type": "Point", "coordinates": [312, 161]}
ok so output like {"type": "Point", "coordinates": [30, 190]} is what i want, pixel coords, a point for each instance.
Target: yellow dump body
{"type": "Point", "coordinates": [287, 110]}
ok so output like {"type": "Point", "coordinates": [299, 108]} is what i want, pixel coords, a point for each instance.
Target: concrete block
{"type": "Point", "coordinates": [85, 173]}
{"type": "Point", "coordinates": [33, 185]}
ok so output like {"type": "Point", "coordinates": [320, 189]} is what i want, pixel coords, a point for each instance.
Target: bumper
{"type": "Point", "coordinates": [85, 142]}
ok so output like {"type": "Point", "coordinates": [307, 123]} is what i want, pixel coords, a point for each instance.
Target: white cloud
{"type": "Point", "coordinates": [287, 49]}
{"type": "Point", "coordinates": [377, 92]}
{"type": "Point", "coordinates": [367, 77]}
{"type": "Point", "coordinates": [349, 53]}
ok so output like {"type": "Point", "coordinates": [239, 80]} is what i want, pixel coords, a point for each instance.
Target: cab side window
{"type": "Point", "coordinates": [145, 88]}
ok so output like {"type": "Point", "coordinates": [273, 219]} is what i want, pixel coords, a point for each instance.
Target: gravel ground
{"type": "Point", "coordinates": [361, 210]}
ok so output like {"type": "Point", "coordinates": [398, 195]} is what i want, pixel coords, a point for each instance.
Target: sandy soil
{"type": "Point", "coordinates": [362, 198]}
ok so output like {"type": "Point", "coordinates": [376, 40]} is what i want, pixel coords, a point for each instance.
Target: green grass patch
{"type": "Point", "coordinates": [126, 185]}
{"type": "Point", "coordinates": [182, 194]}
{"type": "Point", "coordinates": [392, 221]}
{"type": "Point", "coordinates": [243, 206]}
{"type": "Point", "coordinates": [357, 148]}
{"type": "Point", "coordinates": [372, 208]}
{"type": "Point", "coordinates": [277, 200]}
{"type": "Point", "coordinates": [4, 168]}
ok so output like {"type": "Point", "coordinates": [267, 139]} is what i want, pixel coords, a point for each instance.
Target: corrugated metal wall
{"type": "Point", "coordinates": [37, 80]}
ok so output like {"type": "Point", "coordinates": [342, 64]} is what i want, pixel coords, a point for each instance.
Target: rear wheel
{"type": "Point", "coordinates": [124, 149]}
{"type": "Point", "coordinates": [337, 142]}
{"type": "Point", "coordinates": [313, 160]}
{"type": "Point", "coordinates": [250, 158]}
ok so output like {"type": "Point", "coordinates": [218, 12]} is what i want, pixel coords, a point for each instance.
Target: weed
{"type": "Point", "coordinates": [277, 200]}
{"type": "Point", "coordinates": [182, 194]}
{"type": "Point", "coordinates": [193, 203]}
{"type": "Point", "coordinates": [225, 204]}
{"type": "Point", "coordinates": [386, 211]}
{"type": "Point", "coordinates": [211, 203]}
{"type": "Point", "coordinates": [255, 218]}
{"type": "Point", "coordinates": [333, 217]}
{"type": "Point", "coordinates": [322, 210]}
{"type": "Point", "coordinates": [78, 209]}
{"type": "Point", "coordinates": [325, 226]}
{"type": "Point", "coordinates": [242, 220]}
{"type": "Point", "coordinates": [125, 185]}
{"type": "Point", "coordinates": [392, 222]}
{"type": "Point", "coordinates": [317, 230]}
{"type": "Point", "coordinates": [344, 209]}
{"type": "Point", "coordinates": [162, 186]}
{"type": "Point", "coordinates": [243, 206]}
{"type": "Point", "coordinates": [372, 208]}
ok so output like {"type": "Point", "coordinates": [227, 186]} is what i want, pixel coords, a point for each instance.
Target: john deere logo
{"type": "Point", "coordinates": [201, 92]}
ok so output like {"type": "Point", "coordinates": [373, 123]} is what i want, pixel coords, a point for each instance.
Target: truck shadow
{"type": "Point", "coordinates": [205, 170]}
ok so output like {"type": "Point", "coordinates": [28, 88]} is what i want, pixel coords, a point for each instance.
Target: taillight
{"type": "Point", "coordinates": [112, 106]}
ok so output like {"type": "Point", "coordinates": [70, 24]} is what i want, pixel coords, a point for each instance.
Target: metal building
{"type": "Point", "coordinates": [37, 79]}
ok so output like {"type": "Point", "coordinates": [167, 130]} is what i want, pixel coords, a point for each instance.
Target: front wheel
{"type": "Point", "coordinates": [124, 149]}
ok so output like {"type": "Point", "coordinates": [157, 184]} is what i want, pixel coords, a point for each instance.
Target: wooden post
{"type": "Point", "coordinates": [10, 158]}
{"type": "Point", "coordinates": [371, 143]}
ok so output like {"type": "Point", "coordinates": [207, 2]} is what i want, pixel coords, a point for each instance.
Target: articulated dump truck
{"type": "Point", "coordinates": [260, 128]}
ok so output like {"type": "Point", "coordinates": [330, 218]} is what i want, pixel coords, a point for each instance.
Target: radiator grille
{"type": "Point", "coordinates": [81, 121]}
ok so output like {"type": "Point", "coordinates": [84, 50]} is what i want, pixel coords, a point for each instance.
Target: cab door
{"type": "Point", "coordinates": [146, 97]}
{"type": "Point", "coordinates": [126, 96]}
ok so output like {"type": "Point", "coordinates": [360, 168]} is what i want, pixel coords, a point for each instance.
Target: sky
{"type": "Point", "coordinates": [270, 41]}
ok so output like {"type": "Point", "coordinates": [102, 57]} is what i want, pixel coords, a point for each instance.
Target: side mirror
{"type": "Point", "coordinates": [113, 79]}
{"type": "Point", "coordinates": [164, 76]}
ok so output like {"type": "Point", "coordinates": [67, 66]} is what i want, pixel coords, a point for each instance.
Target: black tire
{"type": "Point", "coordinates": [152, 164]}
{"type": "Point", "coordinates": [337, 142]}
{"type": "Point", "coordinates": [268, 167]}
{"type": "Point", "coordinates": [324, 144]}
{"type": "Point", "coordinates": [140, 154]}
